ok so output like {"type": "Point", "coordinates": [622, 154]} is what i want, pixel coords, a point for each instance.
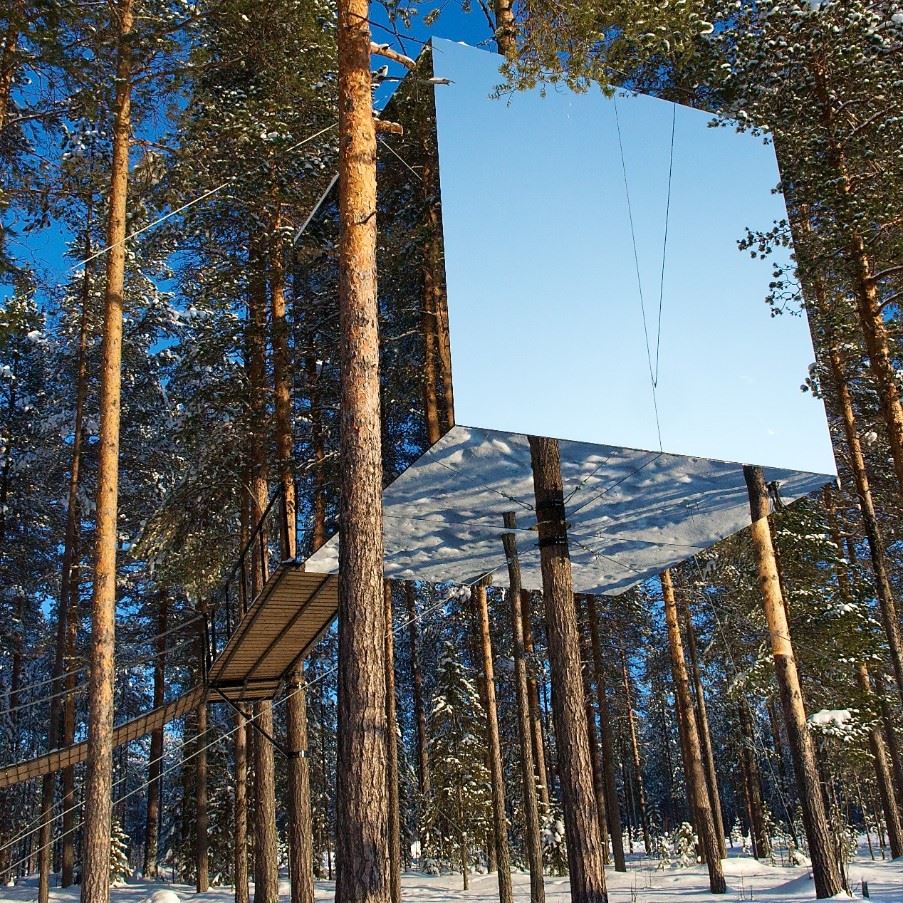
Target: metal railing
{"type": "Point", "coordinates": [266, 548]}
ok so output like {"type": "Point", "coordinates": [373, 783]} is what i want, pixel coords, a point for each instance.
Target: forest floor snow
{"type": "Point", "coordinates": [747, 880]}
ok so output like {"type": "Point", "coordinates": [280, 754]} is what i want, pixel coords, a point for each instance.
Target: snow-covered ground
{"type": "Point", "coordinates": [747, 880]}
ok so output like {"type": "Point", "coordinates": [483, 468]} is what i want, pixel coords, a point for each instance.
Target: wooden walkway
{"type": "Point", "coordinates": [272, 637]}
{"type": "Point", "coordinates": [274, 634]}
{"type": "Point", "coordinates": [58, 759]}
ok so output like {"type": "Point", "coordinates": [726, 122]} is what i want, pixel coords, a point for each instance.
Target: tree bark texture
{"type": "Point", "coordinates": [705, 822]}
{"type": "Point", "coordinates": [531, 804]}
{"type": "Point", "coordinates": [825, 869]}
{"type": "Point", "coordinates": [99, 780]}
{"type": "Point", "coordinates": [362, 850]}
{"type": "Point", "coordinates": [584, 844]}
{"type": "Point", "coordinates": [266, 854]}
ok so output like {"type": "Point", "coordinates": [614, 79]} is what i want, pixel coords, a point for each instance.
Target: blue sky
{"type": "Point", "coordinates": [45, 249]}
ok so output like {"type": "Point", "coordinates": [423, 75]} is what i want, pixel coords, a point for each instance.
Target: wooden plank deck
{"type": "Point", "coordinates": [285, 621]}
{"type": "Point", "coordinates": [58, 759]}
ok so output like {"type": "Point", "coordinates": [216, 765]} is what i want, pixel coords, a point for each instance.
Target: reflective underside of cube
{"type": "Point", "coordinates": [630, 512]}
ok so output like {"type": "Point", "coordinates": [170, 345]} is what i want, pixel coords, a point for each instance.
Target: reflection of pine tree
{"type": "Point", "coordinates": [119, 854]}
{"type": "Point", "coordinates": [459, 809]}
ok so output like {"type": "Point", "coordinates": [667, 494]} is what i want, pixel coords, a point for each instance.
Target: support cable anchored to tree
{"type": "Point", "coordinates": [202, 197]}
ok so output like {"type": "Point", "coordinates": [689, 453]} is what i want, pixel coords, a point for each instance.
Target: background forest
{"type": "Point", "coordinates": [230, 389]}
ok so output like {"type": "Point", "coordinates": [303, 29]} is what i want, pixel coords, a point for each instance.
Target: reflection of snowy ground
{"type": "Point", "coordinates": [630, 513]}
{"type": "Point", "coordinates": [643, 883]}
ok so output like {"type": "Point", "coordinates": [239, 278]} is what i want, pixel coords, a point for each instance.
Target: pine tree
{"type": "Point", "coordinates": [460, 806]}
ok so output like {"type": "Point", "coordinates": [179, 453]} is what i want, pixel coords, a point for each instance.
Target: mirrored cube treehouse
{"type": "Point", "coordinates": [571, 262]}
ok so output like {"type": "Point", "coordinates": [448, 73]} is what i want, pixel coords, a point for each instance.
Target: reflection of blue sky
{"type": "Point", "coordinates": [547, 330]}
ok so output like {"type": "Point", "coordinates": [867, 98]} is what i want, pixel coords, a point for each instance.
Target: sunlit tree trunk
{"type": "Point", "coordinates": [705, 822]}
{"type": "Point", "coordinates": [99, 780]}
{"type": "Point", "coordinates": [362, 850]}
{"type": "Point", "coordinates": [825, 869]}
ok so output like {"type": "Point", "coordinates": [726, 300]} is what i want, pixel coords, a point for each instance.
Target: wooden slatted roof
{"type": "Point", "coordinates": [126, 732]}
{"type": "Point", "coordinates": [285, 621]}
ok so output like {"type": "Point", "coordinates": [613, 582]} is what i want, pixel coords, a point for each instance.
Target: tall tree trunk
{"type": "Point", "coordinates": [889, 615]}
{"type": "Point", "coordinates": [705, 822]}
{"type": "Point", "coordinates": [241, 810]}
{"type": "Point", "coordinates": [753, 784]}
{"type": "Point", "coordinates": [99, 781]}
{"type": "Point", "coordinates": [594, 752]}
{"type": "Point", "coordinates": [71, 572]}
{"type": "Point", "coordinates": [201, 822]}
{"type": "Point", "coordinates": [423, 766]}
{"type": "Point", "coordinates": [67, 863]}
{"type": "Point", "coordinates": [705, 734]}
{"type": "Point", "coordinates": [584, 844]}
{"type": "Point", "coordinates": [540, 763]}
{"type": "Point", "coordinates": [883, 775]}
{"type": "Point", "coordinates": [612, 805]}
{"type": "Point", "coordinates": [889, 802]}
{"type": "Point", "coordinates": [155, 766]}
{"type": "Point", "coordinates": [825, 869]}
{"type": "Point", "coordinates": [299, 815]}
{"type": "Point", "coordinates": [635, 752]}
{"type": "Point", "coordinates": [362, 850]}
{"type": "Point", "coordinates": [392, 754]}
{"type": "Point", "coordinates": [533, 839]}
{"type": "Point", "coordinates": [266, 875]}
{"type": "Point", "coordinates": [299, 819]}
{"type": "Point", "coordinates": [497, 779]}
{"type": "Point", "coordinates": [868, 301]}
{"type": "Point", "coordinates": [266, 854]}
